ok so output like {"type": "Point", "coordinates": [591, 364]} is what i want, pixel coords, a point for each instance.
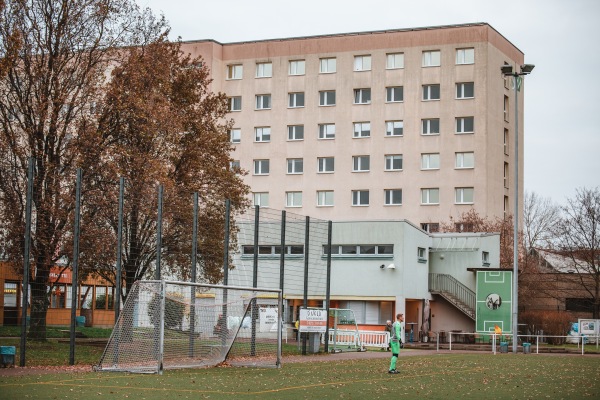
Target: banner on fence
{"type": "Point", "coordinates": [313, 320]}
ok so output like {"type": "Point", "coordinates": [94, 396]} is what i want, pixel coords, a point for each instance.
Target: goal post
{"type": "Point", "coordinates": [168, 325]}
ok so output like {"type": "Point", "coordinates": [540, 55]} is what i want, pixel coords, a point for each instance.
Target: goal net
{"type": "Point", "coordinates": [167, 325]}
{"type": "Point", "coordinates": [343, 331]}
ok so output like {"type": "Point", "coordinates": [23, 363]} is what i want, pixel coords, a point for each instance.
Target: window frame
{"type": "Point", "coordinates": [429, 91]}
{"type": "Point", "coordinates": [324, 133]}
{"type": "Point", "coordinates": [232, 72]}
{"type": "Point", "coordinates": [390, 160]}
{"type": "Point", "coordinates": [359, 161]}
{"type": "Point", "coordinates": [362, 96]}
{"type": "Point", "coordinates": [323, 196]}
{"type": "Point", "coordinates": [360, 61]}
{"type": "Point", "coordinates": [294, 99]}
{"type": "Point", "coordinates": [426, 200]}
{"type": "Point", "coordinates": [260, 195]}
{"type": "Point", "coordinates": [390, 94]}
{"type": "Point", "coordinates": [295, 166]}
{"type": "Point", "coordinates": [260, 70]}
{"type": "Point", "coordinates": [362, 132]}
{"type": "Point", "coordinates": [392, 123]}
{"type": "Point", "coordinates": [294, 65]}
{"type": "Point", "coordinates": [421, 255]}
{"type": "Point", "coordinates": [232, 137]}
{"type": "Point", "coordinates": [389, 197]}
{"type": "Point", "coordinates": [461, 156]}
{"type": "Point", "coordinates": [325, 98]}
{"type": "Point", "coordinates": [462, 191]}
{"type": "Point", "coordinates": [430, 57]}
{"type": "Point", "coordinates": [461, 90]}
{"type": "Point", "coordinates": [462, 57]}
{"type": "Point", "coordinates": [260, 102]}
{"type": "Point", "coordinates": [231, 102]}
{"type": "Point", "coordinates": [327, 70]}
{"type": "Point", "coordinates": [294, 132]}
{"type": "Point", "coordinates": [357, 198]}
{"type": "Point", "coordinates": [261, 163]}
{"type": "Point", "coordinates": [428, 122]}
{"type": "Point", "coordinates": [322, 164]}
{"type": "Point", "coordinates": [262, 134]}
{"type": "Point", "coordinates": [292, 197]}
{"type": "Point", "coordinates": [392, 65]}
{"type": "Point", "coordinates": [462, 123]}
{"type": "Point", "coordinates": [426, 166]}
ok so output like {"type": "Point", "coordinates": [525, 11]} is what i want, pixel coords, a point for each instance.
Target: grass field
{"type": "Point", "coordinates": [431, 376]}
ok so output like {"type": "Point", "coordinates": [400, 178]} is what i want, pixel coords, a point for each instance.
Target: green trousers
{"type": "Point", "coordinates": [395, 346]}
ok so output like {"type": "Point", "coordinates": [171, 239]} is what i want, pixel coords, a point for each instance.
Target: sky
{"type": "Point", "coordinates": [562, 94]}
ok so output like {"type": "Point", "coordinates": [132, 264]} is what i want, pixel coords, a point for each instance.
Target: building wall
{"type": "Point", "coordinates": [487, 107]}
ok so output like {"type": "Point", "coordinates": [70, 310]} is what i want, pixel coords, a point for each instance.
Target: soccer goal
{"type": "Point", "coordinates": [168, 325]}
{"type": "Point", "coordinates": [343, 331]}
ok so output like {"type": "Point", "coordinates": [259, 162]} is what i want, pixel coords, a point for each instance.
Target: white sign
{"type": "Point", "coordinates": [268, 319]}
{"type": "Point", "coordinates": [313, 320]}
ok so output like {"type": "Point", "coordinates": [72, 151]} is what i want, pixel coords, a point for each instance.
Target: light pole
{"type": "Point", "coordinates": [507, 70]}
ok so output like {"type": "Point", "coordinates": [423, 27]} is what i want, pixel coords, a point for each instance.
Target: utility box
{"type": "Point", "coordinates": [8, 356]}
{"type": "Point", "coordinates": [526, 348]}
{"type": "Point", "coordinates": [503, 347]}
{"type": "Point", "coordinates": [313, 344]}
{"type": "Point", "coordinates": [80, 321]}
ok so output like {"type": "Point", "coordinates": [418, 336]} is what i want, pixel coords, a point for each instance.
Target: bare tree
{"type": "Point", "coordinates": [540, 218]}
{"type": "Point", "coordinates": [64, 48]}
{"type": "Point", "coordinates": [579, 241]}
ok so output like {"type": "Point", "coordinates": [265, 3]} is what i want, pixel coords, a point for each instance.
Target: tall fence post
{"type": "Point", "coordinates": [255, 279]}
{"type": "Point", "coordinates": [27, 250]}
{"type": "Point", "coordinates": [74, 276]}
{"type": "Point", "coordinates": [194, 267]}
{"type": "Point", "coordinates": [226, 261]}
{"type": "Point", "coordinates": [159, 233]}
{"type": "Point", "coordinates": [306, 264]}
{"type": "Point", "coordinates": [118, 276]}
{"type": "Point", "coordinates": [328, 289]}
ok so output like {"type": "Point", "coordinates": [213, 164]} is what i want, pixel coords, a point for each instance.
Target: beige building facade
{"type": "Point", "coordinates": [414, 124]}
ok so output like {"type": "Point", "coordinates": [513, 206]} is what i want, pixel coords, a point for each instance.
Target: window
{"type": "Point", "coordinates": [394, 60]}
{"type": "Point", "coordinates": [464, 160]}
{"type": "Point", "coordinates": [394, 94]}
{"type": "Point", "coordinates": [327, 98]}
{"type": "Point", "coordinates": [431, 58]}
{"type": "Point", "coordinates": [506, 108]}
{"type": "Point", "coordinates": [360, 163]}
{"type": "Point", "coordinates": [325, 198]}
{"type": "Point", "coordinates": [360, 197]}
{"type": "Point", "coordinates": [362, 129]}
{"type": "Point", "coordinates": [234, 71]}
{"type": "Point", "coordinates": [394, 128]}
{"type": "Point", "coordinates": [393, 162]}
{"type": "Point", "coordinates": [362, 63]}
{"type": "Point", "coordinates": [463, 195]}
{"type": "Point", "coordinates": [235, 135]}
{"type": "Point", "coordinates": [293, 199]}
{"type": "Point", "coordinates": [421, 254]}
{"type": "Point", "coordinates": [273, 250]}
{"type": "Point", "coordinates": [327, 65]}
{"type": "Point", "coordinates": [430, 196]}
{"type": "Point", "coordinates": [362, 96]}
{"type": "Point", "coordinates": [359, 249]}
{"type": "Point", "coordinates": [260, 199]}
{"type": "Point", "coordinates": [264, 70]}
{"type": "Point", "coordinates": [235, 103]}
{"type": "Point", "coordinates": [430, 227]}
{"type": "Point", "coordinates": [295, 132]}
{"type": "Point", "coordinates": [431, 126]}
{"type": "Point", "coordinates": [295, 165]}
{"type": "Point", "coordinates": [326, 131]}
{"type": "Point", "coordinates": [262, 134]}
{"type": "Point", "coordinates": [465, 56]}
{"type": "Point", "coordinates": [506, 175]}
{"type": "Point", "coordinates": [465, 90]}
{"type": "Point", "coordinates": [261, 167]}
{"type": "Point", "coordinates": [235, 165]}
{"type": "Point", "coordinates": [297, 67]}
{"type": "Point", "coordinates": [485, 258]}
{"type": "Point", "coordinates": [430, 161]}
{"type": "Point", "coordinates": [296, 100]}
{"type": "Point", "coordinates": [465, 124]}
{"type": "Point", "coordinates": [463, 227]}
{"type": "Point", "coordinates": [431, 92]}
{"type": "Point", "coordinates": [326, 164]}
{"type": "Point", "coordinates": [393, 197]}
{"type": "Point", "coordinates": [506, 141]}
{"type": "Point", "coordinates": [263, 101]}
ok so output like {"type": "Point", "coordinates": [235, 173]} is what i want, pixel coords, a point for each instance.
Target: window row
{"type": "Point", "coordinates": [429, 126]}
{"type": "Point", "coordinates": [362, 163]}
{"type": "Point", "coordinates": [327, 98]}
{"type": "Point", "coordinates": [392, 197]}
{"type": "Point", "coordinates": [363, 62]}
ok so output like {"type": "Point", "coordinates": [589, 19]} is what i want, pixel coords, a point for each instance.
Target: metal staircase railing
{"type": "Point", "coordinates": [455, 292]}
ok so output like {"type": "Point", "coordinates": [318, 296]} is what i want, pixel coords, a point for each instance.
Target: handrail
{"type": "Point", "coordinates": [445, 283]}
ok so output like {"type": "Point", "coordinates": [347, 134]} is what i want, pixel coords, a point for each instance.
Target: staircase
{"type": "Point", "coordinates": [454, 292]}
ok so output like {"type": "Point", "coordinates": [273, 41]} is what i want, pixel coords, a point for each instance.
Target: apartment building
{"type": "Point", "coordinates": [412, 124]}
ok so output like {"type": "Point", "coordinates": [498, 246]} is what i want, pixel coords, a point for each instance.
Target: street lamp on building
{"type": "Point", "coordinates": [507, 70]}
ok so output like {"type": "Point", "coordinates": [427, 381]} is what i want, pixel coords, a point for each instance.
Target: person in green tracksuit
{"type": "Point", "coordinates": [396, 339]}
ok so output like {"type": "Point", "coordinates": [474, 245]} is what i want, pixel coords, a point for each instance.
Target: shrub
{"type": "Point", "coordinates": [553, 323]}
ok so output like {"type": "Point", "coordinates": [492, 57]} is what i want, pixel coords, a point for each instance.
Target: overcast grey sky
{"type": "Point", "coordinates": [562, 141]}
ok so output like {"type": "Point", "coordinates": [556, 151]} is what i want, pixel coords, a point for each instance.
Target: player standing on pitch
{"type": "Point", "coordinates": [395, 342]}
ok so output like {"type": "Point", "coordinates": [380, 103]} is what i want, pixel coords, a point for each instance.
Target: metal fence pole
{"type": "Point", "coordinates": [74, 279]}
{"type": "Point", "coordinates": [159, 233]}
{"type": "Point", "coordinates": [328, 289]}
{"type": "Point", "coordinates": [27, 250]}
{"type": "Point", "coordinates": [194, 267]}
{"type": "Point", "coordinates": [118, 276]}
